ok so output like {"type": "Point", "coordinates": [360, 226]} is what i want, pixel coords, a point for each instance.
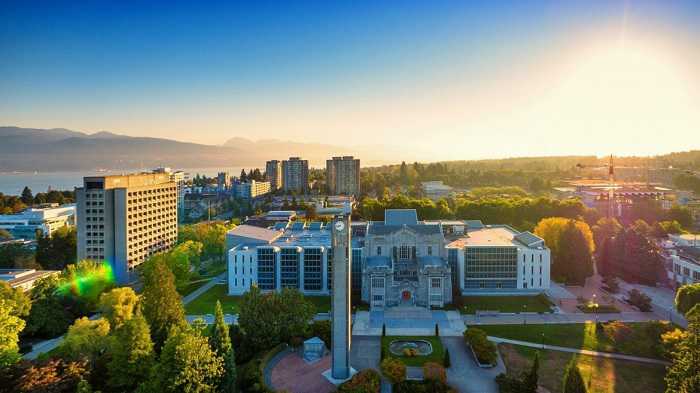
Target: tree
{"type": "Point", "coordinates": [220, 342]}
{"type": "Point", "coordinates": [682, 215]}
{"type": "Point", "coordinates": [187, 364]}
{"type": "Point", "coordinates": [16, 299]}
{"type": "Point", "coordinates": [27, 197]}
{"type": "Point", "coordinates": [530, 380]}
{"type": "Point", "coordinates": [132, 355]}
{"type": "Point", "coordinates": [572, 246]}
{"type": "Point", "coordinates": [118, 305]}
{"type": "Point", "coordinates": [687, 297]}
{"type": "Point", "coordinates": [639, 300]}
{"type": "Point", "coordinates": [48, 316]}
{"type": "Point", "coordinates": [10, 327]}
{"type": "Point", "coordinates": [57, 251]}
{"type": "Point", "coordinates": [434, 372]}
{"type": "Point", "coordinates": [294, 313]}
{"type": "Point", "coordinates": [5, 234]}
{"type": "Point", "coordinates": [162, 305]}
{"type": "Point", "coordinates": [87, 339]}
{"type": "Point", "coordinates": [682, 375]}
{"type": "Point", "coordinates": [53, 376]}
{"type": "Point", "coordinates": [573, 381]}
{"type": "Point", "coordinates": [605, 228]}
{"type": "Point", "coordinates": [446, 359]}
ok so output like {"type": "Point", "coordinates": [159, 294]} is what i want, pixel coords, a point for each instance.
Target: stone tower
{"type": "Point", "coordinates": [340, 299]}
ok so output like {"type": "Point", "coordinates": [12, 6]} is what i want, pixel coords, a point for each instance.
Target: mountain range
{"type": "Point", "coordinates": [59, 149]}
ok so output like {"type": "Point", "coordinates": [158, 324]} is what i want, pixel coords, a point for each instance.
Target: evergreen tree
{"type": "Point", "coordinates": [530, 380]}
{"type": "Point", "coordinates": [244, 177]}
{"type": "Point", "coordinates": [220, 342]}
{"type": "Point", "coordinates": [27, 197]}
{"type": "Point", "coordinates": [187, 364]}
{"type": "Point", "coordinates": [10, 327]}
{"type": "Point", "coordinates": [118, 305]}
{"type": "Point", "coordinates": [573, 381]}
{"type": "Point", "coordinates": [162, 305]}
{"type": "Point", "coordinates": [132, 355]}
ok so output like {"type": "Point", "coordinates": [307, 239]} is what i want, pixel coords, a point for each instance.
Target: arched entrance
{"type": "Point", "coordinates": [406, 296]}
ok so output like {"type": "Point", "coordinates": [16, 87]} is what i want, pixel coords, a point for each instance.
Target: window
{"type": "Point", "coordinates": [378, 298]}
{"type": "Point", "coordinates": [525, 285]}
{"type": "Point", "coordinates": [379, 250]}
{"type": "Point", "coordinates": [377, 283]}
{"type": "Point", "coordinates": [404, 253]}
{"type": "Point", "coordinates": [686, 271]}
{"type": "Point", "coordinates": [435, 282]}
{"type": "Point", "coordinates": [430, 250]}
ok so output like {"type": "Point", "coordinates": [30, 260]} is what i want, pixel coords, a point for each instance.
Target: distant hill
{"type": "Point", "coordinates": [58, 149]}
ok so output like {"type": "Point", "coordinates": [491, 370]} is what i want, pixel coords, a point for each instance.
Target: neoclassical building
{"type": "Point", "coordinates": [397, 261]}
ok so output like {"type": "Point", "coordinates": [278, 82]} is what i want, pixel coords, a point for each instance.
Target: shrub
{"type": "Point", "coordinates": [434, 372]}
{"type": "Point", "coordinates": [618, 331]}
{"type": "Point", "coordinates": [508, 384]}
{"type": "Point", "coordinates": [393, 369]}
{"type": "Point", "coordinates": [322, 330]}
{"type": "Point", "coordinates": [429, 386]}
{"type": "Point", "coordinates": [446, 358]}
{"type": "Point", "coordinates": [639, 300]}
{"type": "Point", "coordinates": [484, 349]}
{"type": "Point", "coordinates": [410, 352]}
{"type": "Point", "coordinates": [611, 284]}
{"type": "Point", "coordinates": [383, 330]}
{"type": "Point", "coordinates": [366, 381]}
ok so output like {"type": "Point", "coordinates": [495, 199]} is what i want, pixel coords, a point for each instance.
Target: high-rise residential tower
{"type": "Point", "coordinates": [343, 175]}
{"type": "Point", "coordinates": [125, 219]}
{"type": "Point", "coordinates": [273, 171]}
{"type": "Point", "coordinates": [295, 175]}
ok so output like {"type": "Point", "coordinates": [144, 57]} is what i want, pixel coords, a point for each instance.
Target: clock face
{"type": "Point", "coordinates": [339, 226]}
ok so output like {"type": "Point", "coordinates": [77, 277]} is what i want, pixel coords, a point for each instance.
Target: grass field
{"type": "Point", "coordinates": [505, 304]}
{"type": "Point", "coordinates": [641, 339]}
{"type": "Point", "coordinates": [205, 303]}
{"type": "Point", "coordinates": [600, 374]}
{"type": "Point", "coordinates": [436, 356]}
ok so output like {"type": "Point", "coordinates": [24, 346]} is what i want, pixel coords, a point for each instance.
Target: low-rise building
{"type": "Point", "coordinates": [398, 261]}
{"type": "Point", "coordinates": [24, 278]}
{"type": "Point", "coordinates": [685, 265]}
{"type": "Point", "coordinates": [46, 218]}
{"type": "Point", "coordinates": [685, 240]}
{"type": "Point", "coordinates": [251, 189]}
{"type": "Point", "coordinates": [436, 189]}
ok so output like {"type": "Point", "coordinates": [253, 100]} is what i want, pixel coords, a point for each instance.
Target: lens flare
{"type": "Point", "coordinates": [86, 283]}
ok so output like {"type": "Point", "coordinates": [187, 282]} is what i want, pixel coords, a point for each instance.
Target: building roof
{"type": "Point", "coordinates": [255, 233]}
{"type": "Point", "coordinates": [17, 277]}
{"type": "Point", "coordinates": [400, 217]}
{"type": "Point", "coordinates": [381, 228]}
{"type": "Point", "coordinates": [496, 236]}
{"type": "Point", "coordinates": [431, 261]}
{"type": "Point", "coordinates": [378, 261]}
{"type": "Point", "coordinates": [474, 224]}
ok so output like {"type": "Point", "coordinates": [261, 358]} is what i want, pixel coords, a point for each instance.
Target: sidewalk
{"type": "Point", "coordinates": [581, 351]}
{"type": "Point", "coordinates": [534, 318]}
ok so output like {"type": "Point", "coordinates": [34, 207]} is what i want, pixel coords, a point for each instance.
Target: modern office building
{"type": "Point", "coordinates": [46, 218]}
{"type": "Point", "coordinates": [685, 262]}
{"type": "Point", "coordinates": [398, 261]}
{"type": "Point", "coordinates": [251, 189]}
{"type": "Point", "coordinates": [125, 219]}
{"type": "Point", "coordinates": [273, 172]}
{"type": "Point", "coordinates": [295, 175]}
{"type": "Point", "coordinates": [343, 175]}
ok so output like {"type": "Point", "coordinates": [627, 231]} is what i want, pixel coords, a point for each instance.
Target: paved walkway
{"type": "Point", "coordinates": [292, 374]}
{"type": "Point", "coordinates": [554, 318]}
{"type": "Point", "coordinates": [464, 374]}
{"type": "Point", "coordinates": [49, 345]}
{"type": "Point", "coordinates": [195, 294]}
{"type": "Point", "coordinates": [577, 350]}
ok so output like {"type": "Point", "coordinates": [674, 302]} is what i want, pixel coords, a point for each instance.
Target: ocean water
{"type": "Point", "coordinates": [12, 183]}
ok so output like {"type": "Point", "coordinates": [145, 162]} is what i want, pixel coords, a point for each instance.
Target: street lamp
{"type": "Point", "coordinates": [524, 315]}
{"type": "Point", "coordinates": [542, 340]}
{"type": "Point", "coordinates": [594, 305]}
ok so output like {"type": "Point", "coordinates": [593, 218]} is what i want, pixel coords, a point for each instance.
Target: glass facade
{"type": "Point", "coordinates": [313, 262]}
{"type": "Point", "coordinates": [330, 268]}
{"type": "Point", "coordinates": [266, 268]}
{"type": "Point", "coordinates": [356, 274]}
{"type": "Point", "coordinates": [289, 267]}
{"type": "Point", "coordinates": [491, 267]}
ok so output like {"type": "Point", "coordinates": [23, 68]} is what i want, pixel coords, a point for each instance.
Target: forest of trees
{"type": "Point", "coordinates": [15, 203]}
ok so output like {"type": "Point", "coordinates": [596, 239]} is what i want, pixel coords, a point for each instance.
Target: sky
{"type": "Point", "coordinates": [435, 79]}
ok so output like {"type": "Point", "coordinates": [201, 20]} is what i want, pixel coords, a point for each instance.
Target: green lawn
{"type": "Point", "coordinates": [205, 303]}
{"type": "Point", "coordinates": [436, 356]}
{"type": "Point", "coordinates": [642, 339]}
{"type": "Point", "coordinates": [505, 304]}
{"type": "Point", "coordinates": [601, 374]}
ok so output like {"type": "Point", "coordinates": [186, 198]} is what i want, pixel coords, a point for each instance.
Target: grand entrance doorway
{"type": "Point", "coordinates": [405, 296]}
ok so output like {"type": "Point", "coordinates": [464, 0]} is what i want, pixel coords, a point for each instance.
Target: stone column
{"type": "Point", "coordinates": [340, 299]}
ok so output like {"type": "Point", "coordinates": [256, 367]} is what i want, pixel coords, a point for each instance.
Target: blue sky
{"type": "Point", "coordinates": [208, 71]}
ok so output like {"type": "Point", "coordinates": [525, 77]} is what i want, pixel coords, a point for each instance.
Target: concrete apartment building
{"type": "Point", "coordinates": [124, 219]}
{"type": "Point", "coordinates": [46, 218]}
{"type": "Point", "coordinates": [251, 189]}
{"type": "Point", "coordinates": [180, 178]}
{"type": "Point", "coordinates": [343, 175]}
{"type": "Point", "coordinates": [295, 175]}
{"type": "Point", "coordinates": [273, 171]}
{"type": "Point", "coordinates": [223, 181]}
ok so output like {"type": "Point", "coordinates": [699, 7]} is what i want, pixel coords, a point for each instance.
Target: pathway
{"type": "Point", "coordinates": [464, 375]}
{"type": "Point", "coordinates": [197, 292]}
{"type": "Point", "coordinates": [554, 318]}
{"type": "Point", "coordinates": [408, 321]}
{"type": "Point", "coordinates": [577, 350]}
{"type": "Point", "coordinates": [49, 345]}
